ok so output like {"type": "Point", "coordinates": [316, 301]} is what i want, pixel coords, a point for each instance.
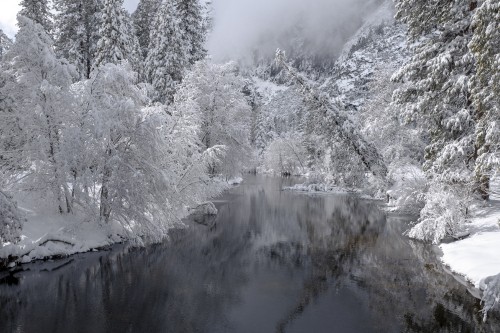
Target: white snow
{"type": "Point", "coordinates": [206, 208]}
{"type": "Point", "coordinates": [235, 181]}
{"type": "Point", "coordinates": [47, 234]}
{"type": "Point", "coordinates": [478, 256]}
{"type": "Point", "coordinates": [267, 89]}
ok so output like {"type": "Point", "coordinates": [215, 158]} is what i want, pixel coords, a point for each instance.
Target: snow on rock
{"type": "Point", "coordinates": [207, 208]}
{"type": "Point", "coordinates": [491, 296]}
{"type": "Point", "coordinates": [205, 214]}
{"type": "Point", "coordinates": [235, 181]}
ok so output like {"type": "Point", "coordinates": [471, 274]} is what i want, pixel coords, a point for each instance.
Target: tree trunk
{"type": "Point", "coordinates": [105, 208]}
{"type": "Point", "coordinates": [483, 187]}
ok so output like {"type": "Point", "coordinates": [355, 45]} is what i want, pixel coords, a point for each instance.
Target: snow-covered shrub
{"type": "Point", "coordinates": [409, 185]}
{"type": "Point", "coordinates": [491, 294]}
{"type": "Point", "coordinates": [285, 156]}
{"type": "Point", "coordinates": [11, 220]}
{"type": "Point", "coordinates": [444, 214]}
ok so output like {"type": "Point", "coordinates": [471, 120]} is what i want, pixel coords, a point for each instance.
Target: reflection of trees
{"type": "Point", "coordinates": [190, 283]}
{"type": "Point", "coordinates": [402, 280]}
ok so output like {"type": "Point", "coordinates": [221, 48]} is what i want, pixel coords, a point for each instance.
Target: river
{"type": "Point", "coordinates": [271, 261]}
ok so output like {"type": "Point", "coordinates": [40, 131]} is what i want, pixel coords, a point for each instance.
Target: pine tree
{"type": "Point", "coordinates": [143, 16]}
{"type": "Point", "coordinates": [192, 28]}
{"type": "Point", "coordinates": [39, 12]}
{"type": "Point", "coordinates": [437, 95]}
{"type": "Point", "coordinates": [76, 35]}
{"type": "Point", "coordinates": [5, 43]}
{"type": "Point", "coordinates": [485, 46]}
{"type": "Point", "coordinates": [166, 59]}
{"type": "Point", "coordinates": [116, 41]}
{"type": "Point", "coordinates": [134, 49]}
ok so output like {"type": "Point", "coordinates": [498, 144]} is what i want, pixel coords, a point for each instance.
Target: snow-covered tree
{"type": "Point", "coordinates": [223, 112]}
{"type": "Point", "coordinates": [443, 215]}
{"type": "Point", "coordinates": [340, 138]}
{"type": "Point", "coordinates": [117, 40]}
{"type": "Point", "coordinates": [485, 46]}
{"type": "Point", "coordinates": [285, 156]}
{"type": "Point", "coordinates": [134, 56]}
{"type": "Point", "coordinates": [191, 25]}
{"type": "Point", "coordinates": [142, 165]}
{"type": "Point", "coordinates": [166, 59]}
{"type": "Point", "coordinates": [38, 11]}
{"type": "Point", "coordinates": [11, 219]}
{"type": "Point", "coordinates": [76, 25]}
{"type": "Point", "coordinates": [437, 95]}
{"type": "Point", "coordinates": [5, 43]}
{"type": "Point", "coordinates": [143, 17]}
{"type": "Point", "coordinates": [111, 105]}
{"type": "Point", "coordinates": [40, 107]}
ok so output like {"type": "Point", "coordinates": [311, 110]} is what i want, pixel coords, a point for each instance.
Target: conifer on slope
{"type": "Point", "coordinates": [143, 17]}
{"type": "Point", "coordinates": [39, 12]}
{"type": "Point", "coordinates": [76, 34]}
{"type": "Point", "coordinates": [191, 25]}
{"type": "Point", "coordinates": [116, 42]}
{"type": "Point", "coordinates": [437, 96]}
{"type": "Point", "coordinates": [485, 46]}
{"type": "Point", "coordinates": [166, 59]}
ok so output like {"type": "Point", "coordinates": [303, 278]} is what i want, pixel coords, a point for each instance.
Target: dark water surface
{"type": "Point", "coordinates": [271, 261]}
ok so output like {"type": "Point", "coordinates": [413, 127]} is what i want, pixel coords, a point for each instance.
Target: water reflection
{"type": "Point", "coordinates": [272, 261]}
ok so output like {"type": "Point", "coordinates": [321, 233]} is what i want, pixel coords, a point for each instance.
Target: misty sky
{"type": "Point", "coordinates": [240, 26]}
{"type": "Point", "coordinates": [244, 25]}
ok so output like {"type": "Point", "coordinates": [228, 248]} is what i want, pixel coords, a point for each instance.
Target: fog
{"type": "Point", "coordinates": [243, 27]}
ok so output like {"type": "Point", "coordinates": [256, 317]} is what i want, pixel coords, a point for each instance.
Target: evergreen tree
{"type": "Point", "coordinates": [166, 59]}
{"type": "Point", "coordinates": [5, 43]}
{"type": "Point", "coordinates": [485, 46]}
{"type": "Point", "coordinates": [76, 35]}
{"type": "Point", "coordinates": [437, 95]}
{"type": "Point", "coordinates": [192, 28]}
{"type": "Point", "coordinates": [39, 12]}
{"type": "Point", "coordinates": [143, 16]}
{"type": "Point", "coordinates": [134, 49]}
{"type": "Point", "coordinates": [117, 42]}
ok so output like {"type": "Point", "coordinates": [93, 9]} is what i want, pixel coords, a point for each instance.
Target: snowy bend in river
{"type": "Point", "coordinates": [271, 261]}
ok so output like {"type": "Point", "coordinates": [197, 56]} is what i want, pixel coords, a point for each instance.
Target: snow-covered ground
{"type": "Point", "coordinates": [48, 234]}
{"type": "Point", "coordinates": [477, 257]}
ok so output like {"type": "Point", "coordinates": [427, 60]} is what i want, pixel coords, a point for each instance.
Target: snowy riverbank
{"type": "Point", "coordinates": [477, 257]}
{"type": "Point", "coordinates": [46, 234]}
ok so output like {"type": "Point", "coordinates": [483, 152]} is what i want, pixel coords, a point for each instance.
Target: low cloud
{"type": "Point", "coordinates": [242, 27]}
